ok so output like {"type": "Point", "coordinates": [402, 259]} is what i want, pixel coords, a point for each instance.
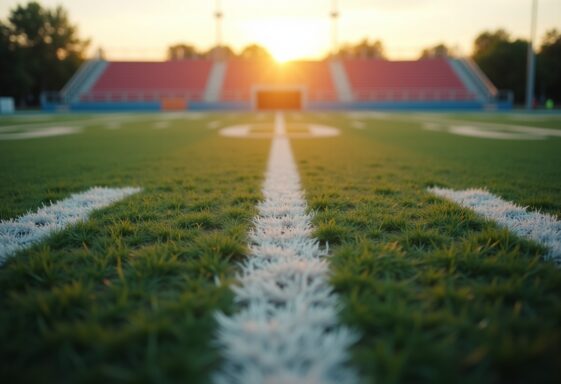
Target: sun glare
{"type": "Point", "coordinates": [288, 40]}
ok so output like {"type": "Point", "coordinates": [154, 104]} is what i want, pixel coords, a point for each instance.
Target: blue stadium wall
{"type": "Point", "coordinates": [246, 106]}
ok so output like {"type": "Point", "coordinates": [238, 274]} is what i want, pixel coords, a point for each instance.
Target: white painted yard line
{"type": "Point", "coordinates": [193, 115]}
{"type": "Point", "coordinates": [542, 228]}
{"type": "Point", "coordinates": [287, 330]}
{"type": "Point", "coordinates": [214, 124]}
{"type": "Point", "coordinates": [31, 228]}
{"type": "Point", "coordinates": [81, 121]}
{"type": "Point", "coordinates": [161, 125]}
{"type": "Point", "coordinates": [524, 129]}
{"type": "Point", "coordinates": [39, 133]}
{"type": "Point", "coordinates": [113, 125]}
{"type": "Point", "coordinates": [358, 124]}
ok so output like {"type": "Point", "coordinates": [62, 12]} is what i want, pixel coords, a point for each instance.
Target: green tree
{"type": "Point", "coordinates": [14, 79]}
{"type": "Point", "coordinates": [503, 60]}
{"type": "Point", "coordinates": [223, 52]}
{"type": "Point", "coordinates": [363, 49]}
{"type": "Point", "coordinates": [41, 50]}
{"type": "Point", "coordinates": [182, 51]}
{"type": "Point", "coordinates": [439, 50]}
{"type": "Point", "coordinates": [255, 51]}
{"type": "Point", "coordinates": [549, 66]}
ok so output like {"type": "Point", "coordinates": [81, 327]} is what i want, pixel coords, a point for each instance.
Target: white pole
{"type": "Point", "coordinates": [334, 37]}
{"type": "Point", "coordinates": [531, 64]}
{"type": "Point", "coordinates": [218, 14]}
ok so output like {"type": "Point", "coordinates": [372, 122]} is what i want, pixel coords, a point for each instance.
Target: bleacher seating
{"type": "Point", "coordinates": [242, 75]}
{"type": "Point", "coordinates": [323, 82]}
{"type": "Point", "coordinates": [426, 80]}
{"type": "Point", "coordinates": [151, 81]}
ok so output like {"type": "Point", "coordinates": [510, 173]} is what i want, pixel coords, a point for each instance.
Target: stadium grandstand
{"type": "Point", "coordinates": [202, 84]}
{"type": "Point", "coordinates": [220, 83]}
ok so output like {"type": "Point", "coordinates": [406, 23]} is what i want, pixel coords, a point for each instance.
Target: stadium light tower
{"type": "Point", "coordinates": [334, 17]}
{"type": "Point", "coordinates": [531, 65]}
{"type": "Point", "coordinates": [219, 15]}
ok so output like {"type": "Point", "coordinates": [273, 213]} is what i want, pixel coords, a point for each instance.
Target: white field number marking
{"type": "Point", "coordinates": [213, 124]}
{"type": "Point", "coordinates": [493, 131]}
{"type": "Point", "coordinates": [542, 228]}
{"type": "Point", "coordinates": [251, 131]}
{"type": "Point", "coordinates": [31, 228]}
{"type": "Point", "coordinates": [39, 133]}
{"type": "Point", "coordinates": [287, 330]}
{"type": "Point", "coordinates": [357, 124]}
{"type": "Point", "coordinates": [113, 125]}
{"type": "Point", "coordinates": [192, 115]}
{"type": "Point", "coordinates": [161, 124]}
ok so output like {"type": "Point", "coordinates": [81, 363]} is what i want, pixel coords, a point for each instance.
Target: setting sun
{"type": "Point", "coordinates": [288, 40]}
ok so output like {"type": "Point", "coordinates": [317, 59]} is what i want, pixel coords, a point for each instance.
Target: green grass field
{"type": "Point", "coordinates": [437, 294]}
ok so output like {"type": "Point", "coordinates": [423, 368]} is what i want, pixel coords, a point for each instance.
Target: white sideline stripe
{"type": "Point", "coordinates": [310, 131]}
{"type": "Point", "coordinates": [542, 228]}
{"type": "Point", "coordinates": [39, 133]}
{"type": "Point", "coordinates": [26, 230]}
{"type": "Point", "coordinates": [480, 132]}
{"type": "Point", "coordinates": [161, 125]}
{"type": "Point", "coordinates": [357, 124]}
{"type": "Point", "coordinates": [214, 124]}
{"type": "Point", "coordinates": [287, 330]}
{"type": "Point", "coordinates": [113, 125]}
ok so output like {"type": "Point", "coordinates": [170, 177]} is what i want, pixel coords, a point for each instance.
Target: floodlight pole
{"type": "Point", "coordinates": [334, 17]}
{"type": "Point", "coordinates": [219, 15]}
{"type": "Point", "coordinates": [531, 64]}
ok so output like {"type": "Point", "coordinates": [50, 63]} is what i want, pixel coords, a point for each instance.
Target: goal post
{"type": "Point", "coordinates": [285, 97]}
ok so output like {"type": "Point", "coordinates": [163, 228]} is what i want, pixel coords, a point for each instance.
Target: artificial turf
{"type": "Point", "coordinates": [436, 293]}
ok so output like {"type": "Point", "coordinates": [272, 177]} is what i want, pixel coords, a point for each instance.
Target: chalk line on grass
{"type": "Point", "coordinates": [308, 131]}
{"type": "Point", "coordinates": [26, 230]}
{"type": "Point", "coordinates": [39, 133]}
{"type": "Point", "coordinates": [358, 124]}
{"type": "Point", "coordinates": [483, 133]}
{"type": "Point", "coordinates": [542, 228]}
{"type": "Point", "coordinates": [287, 330]}
{"type": "Point", "coordinates": [161, 125]}
{"type": "Point", "coordinates": [214, 124]}
{"type": "Point", "coordinates": [113, 125]}
{"type": "Point", "coordinates": [486, 130]}
{"type": "Point", "coordinates": [193, 115]}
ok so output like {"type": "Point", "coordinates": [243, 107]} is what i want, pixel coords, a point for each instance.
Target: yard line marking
{"type": "Point", "coordinates": [483, 133]}
{"type": "Point", "coordinates": [357, 124]}
{"type": "Point", "coordinates": [192, 115]}
{"type": "Point", "coordinates": [310, 131]}
{"type": "Point", "coordinates": [287, 330]}
{"type": "Point", "coordinates": [84, 121]}
{"type": "Point", "coordinates": [161, 124]}
{"type": "Point", "coordinates": [369, 115]}
{"type": "Point", "coordinates": [31, 228]}
{"type": "Point", "coordinates": [214, 124]}
{"type": "Point", "coordinates": [39, 133]}
{"type": "Point", "coordinates": [113, 125]}
{"type": "Point", "coordinates": [539, 227]}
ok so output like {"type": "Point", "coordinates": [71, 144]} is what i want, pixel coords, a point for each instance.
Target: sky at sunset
{"type": "Point", "coordinates": [291, 29]}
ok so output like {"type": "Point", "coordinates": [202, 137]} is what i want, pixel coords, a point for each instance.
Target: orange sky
{"type": "Point", "coordinates": [142, 29]}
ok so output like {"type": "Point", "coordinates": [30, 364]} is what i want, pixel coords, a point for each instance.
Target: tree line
{"type": "Point", "coordinates": [40, 49]}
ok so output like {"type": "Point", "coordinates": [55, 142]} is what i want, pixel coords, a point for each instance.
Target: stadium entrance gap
{"type": "Point", "coordinates": [278, 97]}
